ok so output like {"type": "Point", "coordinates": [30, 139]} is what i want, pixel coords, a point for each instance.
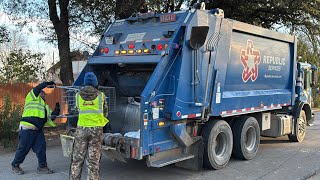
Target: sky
{"type": "Point", "coordinates": [34, 42]}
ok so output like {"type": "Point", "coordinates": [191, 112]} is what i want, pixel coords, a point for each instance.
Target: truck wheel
{"type": "Point", "coordinates": [299, 128]}
{"type": "Point", "coordinates": [246, 137]}
{"type": "Point", "coordinates": [217, 137]}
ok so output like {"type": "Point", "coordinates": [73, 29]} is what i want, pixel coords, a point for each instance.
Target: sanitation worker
{"type": "Point", "coordinates": [36, 115]}
{"type": "Point", "coordinates": [89, 133]}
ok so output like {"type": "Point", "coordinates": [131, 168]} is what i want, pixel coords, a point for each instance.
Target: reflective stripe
{"type": "Point", "coordinates": [26, 124]}
{"type": "Point", "coordinates": [77, 100]}
{"type": "Point", "coordinates": [100, 101]}
{"type": "Point", "coordinates": [33, 103]}
{"type": "Point", "coordinates": [299, 84]}
{"type": "Point", "coordinates": [90, 111]}
{"type": "Point", "coordinates": [32, 95]}
{"type": "Point", "coordinates": [34, 107]}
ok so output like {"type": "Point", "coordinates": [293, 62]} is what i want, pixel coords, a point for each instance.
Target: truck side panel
{"type": "Point", "coordinates": [258, 75]}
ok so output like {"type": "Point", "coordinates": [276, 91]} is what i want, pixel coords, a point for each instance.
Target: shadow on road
{"type": "Point", "coordinates": [274, 141]}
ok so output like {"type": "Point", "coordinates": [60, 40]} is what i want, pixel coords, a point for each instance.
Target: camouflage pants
{"type": "Point", "coordinates": [86, 139]}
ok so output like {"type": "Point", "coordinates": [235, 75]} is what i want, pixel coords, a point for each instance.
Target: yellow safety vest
{"type": "Point", "coordinates": [91, 112]}
{"type": "Point", "coordinates": [35, 107]}
{"type": "Point", "coordinates": [49, 121]}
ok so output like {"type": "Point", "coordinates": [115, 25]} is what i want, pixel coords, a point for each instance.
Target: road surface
{"type": "Point", "coordinates": [278, 158]}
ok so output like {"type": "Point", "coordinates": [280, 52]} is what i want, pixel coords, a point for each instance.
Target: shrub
{"type": "Point", "coordinates": [9, 122]}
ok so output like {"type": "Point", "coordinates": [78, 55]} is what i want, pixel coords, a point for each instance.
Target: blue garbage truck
{"type": "Point", "coordinates": [193, 88]}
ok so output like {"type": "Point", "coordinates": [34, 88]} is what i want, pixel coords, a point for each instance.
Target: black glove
{"type": "Point", "coordinates": [51, 84]}
{"type": "Point", "coordinates": [56, 110]}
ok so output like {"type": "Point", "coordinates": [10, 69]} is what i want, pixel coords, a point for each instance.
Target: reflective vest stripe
{"type": "Point", "coordinates": [35, 107]}
{"type": "Point", "coordinates": [100, 101]}
{"type": "Point", "coordinates": [90, 111]}
{"type": "Point", "coordinates": [32, 95]}
{"type": "Point", "coordinates": [77, 100]}
{"type": "Point", "coordinates": [32, 103]}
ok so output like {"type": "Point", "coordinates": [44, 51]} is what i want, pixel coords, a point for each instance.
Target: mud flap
{"type": "Point", "coordinates": [195, 163]}
{"type": "Point", "coordinates": [112, 153]}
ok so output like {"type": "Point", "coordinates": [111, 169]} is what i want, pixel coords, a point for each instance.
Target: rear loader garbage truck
{"type": "Point", "coordinates": [192, 88]}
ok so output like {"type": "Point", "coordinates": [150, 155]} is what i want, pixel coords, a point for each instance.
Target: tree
{"type": "Point", "coordinates": [61, 26]}
{"type": "Point", "coordinates": [22, 67]}
{"type": "Point", "coordinates": [68, 16]}
{"type": "Point", "coordinates": [298, 16]}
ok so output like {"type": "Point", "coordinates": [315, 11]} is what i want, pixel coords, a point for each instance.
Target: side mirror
{"type": "Point", "coordinates": [198, 36]}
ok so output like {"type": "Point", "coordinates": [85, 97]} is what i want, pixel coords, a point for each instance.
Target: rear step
{"type": "Point", "coordinates": [167, 157]}
{"type": "Point", "coordinates": [170, 160]}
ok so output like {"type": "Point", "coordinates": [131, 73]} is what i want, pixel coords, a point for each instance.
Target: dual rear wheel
{"type": "Point", "coordinates": [242, 140]}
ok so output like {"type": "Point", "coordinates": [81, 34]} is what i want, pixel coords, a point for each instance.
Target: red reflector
{"type": "Point", "coordinates": [178, 113]}
{"type": "Point", "coordinates": [159, 46]}
{"type": "Point", "coordinates": [195, 131]}
{"type": "Point", "coordinates": [106, 50]}
{"type": "Point", "coordinates": [133, 152]}
{"type": "Point", "coordinates": [131, 46]}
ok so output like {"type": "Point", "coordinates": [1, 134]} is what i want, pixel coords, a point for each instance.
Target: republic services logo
{"type": "Point", "coordinates": [250, 59]}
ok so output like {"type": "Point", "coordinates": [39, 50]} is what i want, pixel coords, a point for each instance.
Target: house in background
{"type": "Point", "coordinates": [79, 61]}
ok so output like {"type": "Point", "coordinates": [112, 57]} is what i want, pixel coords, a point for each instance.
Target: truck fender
{"type": "Point", "coordinates": [302, 106]}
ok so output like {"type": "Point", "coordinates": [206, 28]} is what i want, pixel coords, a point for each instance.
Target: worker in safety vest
{"type": "Point", "coordinates": [92, 107]}
{"type": "Point", "coordinates": [36, 115]}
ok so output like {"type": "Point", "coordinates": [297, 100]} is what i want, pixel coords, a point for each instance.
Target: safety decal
{"type": "Point", "coordinates": [250, 59]}
{"type": "Point", "coordinates": [88, 103]}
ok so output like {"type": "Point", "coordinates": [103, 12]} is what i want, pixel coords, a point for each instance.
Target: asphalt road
{"type": "Point", "coordinates": [278, 158]}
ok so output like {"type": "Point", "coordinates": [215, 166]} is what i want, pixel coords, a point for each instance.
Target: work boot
{"type": "Point", "coordinates": [44, 170]}
{"type": "Point", "coordinates": [17, 170]}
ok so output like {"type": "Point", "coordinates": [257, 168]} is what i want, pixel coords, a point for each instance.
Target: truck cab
{"type": "Point", "coordinates": [305, 82]}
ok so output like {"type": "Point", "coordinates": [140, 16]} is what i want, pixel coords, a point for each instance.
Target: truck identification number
{"type": "Point", "coordinates": [168, 18]}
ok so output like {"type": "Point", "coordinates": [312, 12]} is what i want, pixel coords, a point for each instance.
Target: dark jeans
{"type": "Point", "coordinates": [31, 139]}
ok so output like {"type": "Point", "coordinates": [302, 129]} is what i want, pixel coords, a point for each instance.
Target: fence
{"type": "Point", "coordinates": [18, 91]}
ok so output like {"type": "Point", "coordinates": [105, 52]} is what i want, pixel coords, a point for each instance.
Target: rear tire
{"type": "Point", "coordinates": [246, 137]}
{"type": "Point", "coordinates": [300, 126]}
{"type": "Point", "coordinates": [217, 136]}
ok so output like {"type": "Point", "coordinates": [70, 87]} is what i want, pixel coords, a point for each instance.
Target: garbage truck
{"type": "Point", "coordinates": [193, 88]}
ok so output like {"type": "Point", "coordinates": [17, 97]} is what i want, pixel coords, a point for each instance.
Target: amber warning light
{"type": "Point", "coordinates": [168, 18]}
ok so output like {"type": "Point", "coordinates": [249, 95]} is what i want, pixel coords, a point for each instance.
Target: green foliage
{"type": "Point", "coordinates": [9, 122]}
{"type": "Point", "coordinates": [306, 54]}
{"type": "Point", "coordinates": [299, 17]}
{"type": "Point", "coordinates": [22, 67]}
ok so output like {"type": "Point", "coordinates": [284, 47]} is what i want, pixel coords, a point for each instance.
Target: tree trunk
{"type": "Point", "coordinates": [61, 27]}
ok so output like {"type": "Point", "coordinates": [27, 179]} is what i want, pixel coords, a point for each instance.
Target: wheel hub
{"type": "Point", "coordinates": [250, 139]}
{"type": "Point", "coordinates": [302, 126]}
{"type": "Point", "coordinates": [221, 145]}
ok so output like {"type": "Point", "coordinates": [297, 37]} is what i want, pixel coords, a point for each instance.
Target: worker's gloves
{"type": "Point", "coordinates": [56, 111]}
{"type": "Point", "coordinates": [51, 84]}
